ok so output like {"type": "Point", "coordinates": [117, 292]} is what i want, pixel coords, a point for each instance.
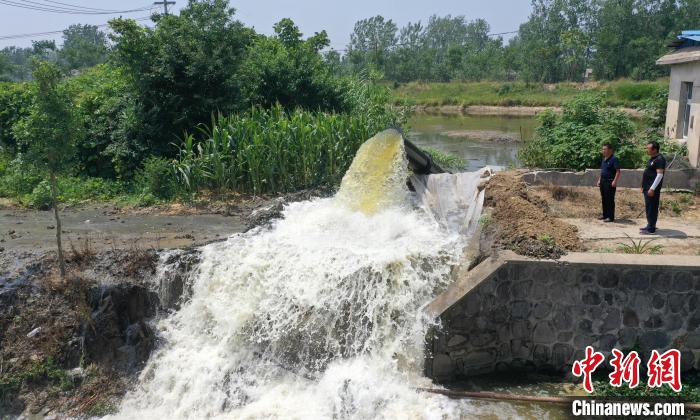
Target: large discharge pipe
{"type": "Point", "coordinates": [420, 162]}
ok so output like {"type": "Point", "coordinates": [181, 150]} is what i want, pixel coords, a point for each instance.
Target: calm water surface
{"type": "Point", "coordinates": [432, 131]}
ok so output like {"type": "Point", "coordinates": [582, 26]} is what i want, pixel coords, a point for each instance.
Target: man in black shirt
{"type": "Point", "coordinates": [609, 176]}
{"type": "Point", "coordinates": [652, 180]}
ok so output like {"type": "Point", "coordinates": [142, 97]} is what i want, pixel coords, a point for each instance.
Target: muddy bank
{"type": "Point", "coordinates": [515, 111]}
{"type": "Point", "coordinates": [71, 346]}
{"type": "Point", "coordinates": [519, 221]}
{"type": "Point", "coordinates": [104, 226]}
{"type": "Point", "coordinates": [483, 135]}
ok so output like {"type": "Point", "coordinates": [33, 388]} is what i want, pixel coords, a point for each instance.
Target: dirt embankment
{"type": "Point", "coordinates": [523, 223]}
{"type": "Point", "coordinates": [71, 346]}
{"type": "Point", "coordinates": [513, 111]}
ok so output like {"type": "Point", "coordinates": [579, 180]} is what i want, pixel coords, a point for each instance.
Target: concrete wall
{"type": "Point", "coordinates": [686, 72]}
{"type": "Point", "coordinates": [683, 179]}
{"type": "Point", "coordinates": [516, 313]}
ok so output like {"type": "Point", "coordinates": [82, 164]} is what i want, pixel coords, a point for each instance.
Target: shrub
{"type": "Point", "coordinates": [18, 179]}
{"type": "Point", "coordinates": [40, 197]}
{"type": "Point", "coordinates": [157, 179]}
{"type": "Point", "coordinates": [573, 140]}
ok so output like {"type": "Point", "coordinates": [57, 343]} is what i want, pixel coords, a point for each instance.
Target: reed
{"type": "Point", "coordinates": [274, 150]}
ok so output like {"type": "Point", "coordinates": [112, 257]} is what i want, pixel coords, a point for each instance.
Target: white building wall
{"type": "Point", "coordinates": [686, 72]}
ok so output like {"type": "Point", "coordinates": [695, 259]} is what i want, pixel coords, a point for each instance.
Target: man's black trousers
{"type": "Point", "coordinates": [607, 194]}
{"type": "Point", "coordinates": [652, 209]}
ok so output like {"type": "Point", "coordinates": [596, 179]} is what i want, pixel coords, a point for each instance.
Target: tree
{"type": "Point", "coordinates": [48, 135]}
{"type": "Point", "coordinates": [289, 70]}
{"type": "Point", "coordinates": [83, 46]}
{"type": "Point", "coordinates": [184, 69]}
{"type": "Point", "coordinates": [370, 43]}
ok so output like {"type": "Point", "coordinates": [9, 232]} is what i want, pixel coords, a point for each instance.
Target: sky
{"type": "Point", "coordinates": [337, 18]}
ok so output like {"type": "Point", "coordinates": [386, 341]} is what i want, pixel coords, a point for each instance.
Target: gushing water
{"type": "Point", "coordinates": [317, 316]}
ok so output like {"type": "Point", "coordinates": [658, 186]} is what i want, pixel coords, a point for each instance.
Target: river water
{"type": "Point", "coordinates": [481, 140]}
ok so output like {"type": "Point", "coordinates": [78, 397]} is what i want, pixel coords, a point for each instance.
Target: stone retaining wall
{"type": "Point", "coordinates": [683, 179]}
{"type": "Point", "coordinates": [540, 315]}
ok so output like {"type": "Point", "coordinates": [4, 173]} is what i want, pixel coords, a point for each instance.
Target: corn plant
{"type": "Point", "coordinates": [271, 151]}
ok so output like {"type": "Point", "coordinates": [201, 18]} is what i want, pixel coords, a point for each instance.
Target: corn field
{"type": "Point", "coordinates": [272, 151]}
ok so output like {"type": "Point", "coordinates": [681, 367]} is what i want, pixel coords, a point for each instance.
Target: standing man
{"type": "Point", "coordinates": [652, 181]}
{"type": "Point", "coordinates": [609, 175]}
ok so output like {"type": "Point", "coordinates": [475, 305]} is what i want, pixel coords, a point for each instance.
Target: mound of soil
{"type": "Point", "coordinates": [523, 223]}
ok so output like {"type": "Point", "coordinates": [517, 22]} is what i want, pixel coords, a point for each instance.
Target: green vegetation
{"type": "Point", "coordinates": [265, 151]}
{"type": "Point", "coordinates": [573, 140]}
{"type": "Point", "coordinates": [617, 93]}
{"type": "Point", "coordinates": [560, 41]}
{"type": "Point", "coordinates": [137, 132]}
{"type": "Point", "coordinates": [45, 371]}
{"type": "Point", "coordinates": [689, 393]}
{"type": "Point", "coordinates": [640, 247]}
{"type": "Point", "coordinates": [446, 160]}
{"type": "Point", "coordinates": [546, 239]}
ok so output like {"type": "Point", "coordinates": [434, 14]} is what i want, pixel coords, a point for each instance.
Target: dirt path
{"type": "Point", "coordinates": [105, 228]}
{"type": "Point", "coordinates": [674, 236]}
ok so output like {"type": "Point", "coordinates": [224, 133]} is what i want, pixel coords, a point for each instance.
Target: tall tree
{"type": "Point", "coordinates": [83, 46]}
{"type": "Point", "coordinates": [48, 134]}
{"type": "Point", "coordinates": [184, 69]}
{"type": "Point", "coordinates": [371, 41]}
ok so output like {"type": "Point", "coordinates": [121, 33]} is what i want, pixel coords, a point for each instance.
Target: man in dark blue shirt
{"type": "Point", "coordinates": [652, 181]}
{"type": "Point", "coordinates": [609, 176]}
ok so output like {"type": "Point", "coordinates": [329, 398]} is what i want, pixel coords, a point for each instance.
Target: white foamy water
{"type": "Point", "coordinates": [318, 316]}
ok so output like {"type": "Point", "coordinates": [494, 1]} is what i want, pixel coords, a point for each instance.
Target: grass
{"type": "Point", "coordinates": [640, 247]}
{"type": "Point", "coordinates": [617, 93]}
{"type": "Point", "coordinates": [446, 160]}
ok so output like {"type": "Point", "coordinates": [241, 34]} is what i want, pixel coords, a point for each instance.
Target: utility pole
{"type": "Point", "coordinates": [165, 4]}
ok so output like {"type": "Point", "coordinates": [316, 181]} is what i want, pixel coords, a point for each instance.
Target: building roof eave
{"type": "Point", "coordinates": [679, 56]}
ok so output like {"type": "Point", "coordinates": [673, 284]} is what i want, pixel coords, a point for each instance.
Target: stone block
{"type": "Point", "coordinates": [627, 338]}
{"type": "Point", "coordinates": [521, 289]}
{"type": "Point", "coordinates": [521, 329]}
{"type": "Point", "coordinates": [583, 340]}
{"type": "Point", "coordinates": [676, 301]}
{"type": "Point", "coordinates": [630, 318]}
{"type": "Point", "coordinates": [520, 309]}
{"type": "Point", "coordinates": [608, 279]}
{"type": "Point", "coordinates": [682, 281]}
{"type": "Point", "coordinates": [692, 341]}
{"type": "Point", "coordinates": [456, 342]}
{"type": "Point", "coordinates": [661, 281]}
{"type": "Point", "coordinates": [591, 297]}
{"type": "Point", "coordinates": [653, 340]}
{"type": "Point", "coordinates": [562, 320]}
{"type": "Point", "coordinates": [521, 349]}
{"type": "Point", "coordinates": [481, 361]}
{"type": "Point", "coordinates": [606, 342]}
{"type": "Point", "coordinates": [443, 367]}
{"type": "Point", "coordinates": [561, 354]}
{"type": "Point", "coordinates": [540, 354]}
{"type": "Point", "coordinates": [542, 309]}
{"type": "Point", "coordinates": [544, 333]}
{"type": "Point", "coordinates": [565, 336]}
{"type": "Point", "coordinates": [636, 280]}
{"type": "Point", "coordinates": [612, 321]}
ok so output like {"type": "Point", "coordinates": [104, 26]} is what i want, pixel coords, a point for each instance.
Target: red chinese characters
{"type": "Point", "coordinates": [587, 366]}
{"type": "Point", "coordinates": [625, 369]}
{"type": "Point", "coordinates": [662, 369]}
{"type": "Point", "coordinates": [665, 369]}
